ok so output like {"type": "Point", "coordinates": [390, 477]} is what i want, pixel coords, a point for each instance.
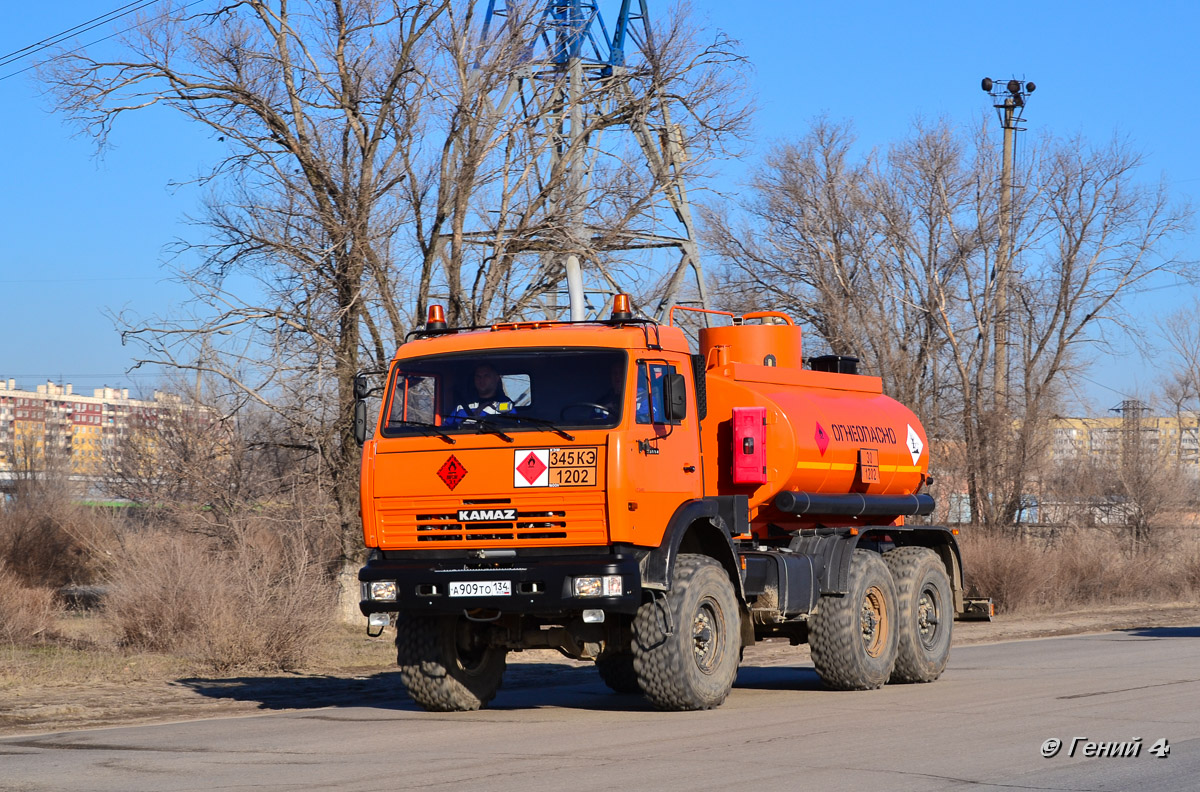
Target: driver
{"type": "Point", "coordinates": [610, 403]}
{"type": "Point", "coordinates": [491, 398]}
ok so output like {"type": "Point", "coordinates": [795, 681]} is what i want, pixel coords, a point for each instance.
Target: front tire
{"type": "Point", "coordinates": [616, 669]}
{"type": "Point", "coordinates": [693, 668]}
{"type": "Point", "coordinates": [853, 638]}
{"type": "Point", "coordinates": [446, 664]}
{"type": "Point", "coordinates": [926, 614]}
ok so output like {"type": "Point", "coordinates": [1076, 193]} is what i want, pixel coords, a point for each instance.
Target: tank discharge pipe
{"type": "Point", "coordinates": [854, 504]}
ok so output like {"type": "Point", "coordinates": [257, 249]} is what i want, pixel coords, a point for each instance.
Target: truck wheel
{"type": "Point", "coordinates": [925, 617]}
{"type": "Point", "coordinates": [616, 669]}
{"type": "Point", "coordinates": [693, 667]}
{"type": "Point", "coordinates": [444, 663]}
{"type": "Point", "coordinates": [853, 638]}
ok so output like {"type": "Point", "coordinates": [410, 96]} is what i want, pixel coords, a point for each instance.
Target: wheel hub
{"type": "Point", "coordinates": [928, 617]}
{"type": "Point", "coordinates": [706, 637]}
{"type": "Point", "coordinates": [873, 621]}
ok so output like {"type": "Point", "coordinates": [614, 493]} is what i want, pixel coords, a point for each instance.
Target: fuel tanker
{"type": "Point", "coordinates": [600, 489]}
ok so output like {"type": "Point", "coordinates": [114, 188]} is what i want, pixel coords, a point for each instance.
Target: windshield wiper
{"type": "Point", "coordinates": [429, 428]}
{"type": "Point", "coordinates": [539, 422]}
{"type": "Point", "coordinates": [486, 425]}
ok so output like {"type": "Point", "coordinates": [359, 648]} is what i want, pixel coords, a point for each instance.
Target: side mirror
{"type": "Point", "coordinates": [362, 386]}
{"type": "Point", "coordinates": [675, 397]}
{"type": "Point", "coordinates": [360, 418]}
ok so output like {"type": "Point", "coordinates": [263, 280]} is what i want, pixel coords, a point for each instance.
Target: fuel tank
{"type": "Point", "coordinates": [777, 427]}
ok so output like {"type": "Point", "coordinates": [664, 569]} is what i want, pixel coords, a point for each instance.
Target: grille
{"type": "Point", "coordinates": [550, 518]}
{"type": "Point", "coordinates": [529, 526]}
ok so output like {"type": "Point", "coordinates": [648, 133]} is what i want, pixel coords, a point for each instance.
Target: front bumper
{"type": "Point", "coordinates": [540, 584]}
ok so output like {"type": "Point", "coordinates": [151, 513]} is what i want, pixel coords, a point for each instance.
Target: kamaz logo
{"type": "Point", "coordinates": [486, 515]}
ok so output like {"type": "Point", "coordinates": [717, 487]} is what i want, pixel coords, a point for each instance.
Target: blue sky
{"type": "Point", "coordinates": [87, 236]}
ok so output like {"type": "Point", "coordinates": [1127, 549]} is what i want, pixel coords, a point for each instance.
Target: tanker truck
{"type": "Point", "coordinates": [599, 489]}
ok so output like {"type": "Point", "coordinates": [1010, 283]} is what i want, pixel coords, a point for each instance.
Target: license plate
{"type": "Point", "coordinates": [573, 467]}
{"type": "Point", "coordinates": [481, 588]}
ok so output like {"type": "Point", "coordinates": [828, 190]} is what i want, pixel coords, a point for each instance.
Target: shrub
{"type": "Point", "coordinates": [1084, 569]}
{"type": "Point", "coordinates": [1011, 572]}
{"type": "Point", "coordinates": [26, 613]}
{"type": "Point", "coordinates": [259, 603]}
{"type": "Point", "coordinates": [39, 546]}
{"type": "Point", "coordinates": [160, 590]}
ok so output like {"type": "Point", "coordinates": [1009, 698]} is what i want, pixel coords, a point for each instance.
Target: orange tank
{"type": "Point", "coordinates": [814, 432]}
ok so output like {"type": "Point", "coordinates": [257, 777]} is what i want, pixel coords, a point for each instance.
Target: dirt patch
{"type": "Point", "coordinates": [64, 689]}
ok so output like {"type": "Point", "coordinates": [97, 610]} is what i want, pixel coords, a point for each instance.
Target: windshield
{"type": "Point", "coordinates": [508, 390]}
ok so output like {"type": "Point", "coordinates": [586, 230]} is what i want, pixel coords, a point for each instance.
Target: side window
{"type": "Point", "coordinates": [651, 404]}
{"type": "Point", "coordinates": [413, 399]}
{"type": "Point", "coordinates": [519, 389]}
{"type": "Point", "coordinates": [421, 393]}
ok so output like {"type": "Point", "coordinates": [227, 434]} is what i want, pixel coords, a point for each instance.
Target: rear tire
{"type": "Point", "coordinates": [853, 638]}
{"type": "Point", "coordinates": [693, 668]}
{"type": "Point", "coordinates": [445, 663]}
{"type": "Point", "coordinates": [925, 616]}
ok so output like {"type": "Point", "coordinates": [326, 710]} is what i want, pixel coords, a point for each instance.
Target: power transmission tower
{"type": "Point", "coordinates": [574, 72]}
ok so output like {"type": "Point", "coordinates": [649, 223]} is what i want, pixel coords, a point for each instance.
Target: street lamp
{"type": "Point", "coordinates": [1009, 101]}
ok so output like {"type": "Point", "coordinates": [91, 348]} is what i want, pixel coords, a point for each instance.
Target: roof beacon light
{"type": "Point", "coordinates": [621, 310]}
{"type": "Point", "coordinates": [437, 318]}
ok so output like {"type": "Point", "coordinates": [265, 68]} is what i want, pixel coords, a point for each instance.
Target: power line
{"type": "Point", "coordinates": [49, 41]}
{"type": "Point", "coordinates": [60, 376]}
{"type": "Point", "coordinates": [90, 43]}
{"type": "Point", "coordinates": [82, 280]}
{"type": "Point", "coordinates": [1102, 385]}
{"type": "Point", "coordinates": [82, 27]}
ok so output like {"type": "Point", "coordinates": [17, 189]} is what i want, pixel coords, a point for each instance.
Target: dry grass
{"type": "Point", "coordinates": [259, 604]}
{"type": "Point", "coordinates": [246, 589]}
{"type": "Point", "coordinates": [1086, 569]}
{"type": "Point", "coordinates": [26, 612]}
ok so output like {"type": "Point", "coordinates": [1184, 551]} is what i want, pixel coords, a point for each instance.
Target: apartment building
{"type": "Point", "coordinates": [1105, 438]}
{"type": "Point", "coordinates": [54, 424]}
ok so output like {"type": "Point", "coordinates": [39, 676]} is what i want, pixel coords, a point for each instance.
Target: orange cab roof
{"type": "Point", "coordinates": [549, 334]}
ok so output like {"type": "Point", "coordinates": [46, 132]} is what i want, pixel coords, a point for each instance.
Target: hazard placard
{"type": "Point", "coordinates": [555, 467]}
{"type": "Point", "coordinates": [914, 444]}
{"type": "Point", "coordinates": [531, 467]}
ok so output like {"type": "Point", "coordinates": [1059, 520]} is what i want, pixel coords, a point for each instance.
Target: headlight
{"type": "Point", "coordinates": [607, 586]}
{"type": "Point", "coordinates": [587, 587]}
{"type": "Point", "coordinates": [383, 590]}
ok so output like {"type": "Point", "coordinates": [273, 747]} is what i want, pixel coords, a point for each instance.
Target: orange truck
{"type": "Point", "coordinates": [597, 488]}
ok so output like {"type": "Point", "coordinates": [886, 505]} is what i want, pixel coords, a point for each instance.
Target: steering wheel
{"type": "Point", "coordinates": [600, 408]}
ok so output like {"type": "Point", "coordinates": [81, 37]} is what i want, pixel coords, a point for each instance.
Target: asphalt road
{"type": "Point", "coordinates": [981, 727]}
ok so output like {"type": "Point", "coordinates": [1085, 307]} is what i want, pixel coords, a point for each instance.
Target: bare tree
{"type": "Point", "coordinates": [372, 164]}
{"type": "Point", "coordinates": [892, 259]}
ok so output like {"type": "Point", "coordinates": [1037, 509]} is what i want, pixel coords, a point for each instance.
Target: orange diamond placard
{"type": "Point", "coordinates": [452, 472]}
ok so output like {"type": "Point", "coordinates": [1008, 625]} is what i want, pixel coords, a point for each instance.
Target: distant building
{"type": "Point", "coordinates": [1104, 439]}
{"type": "Point", "coordinates": [54, 424]}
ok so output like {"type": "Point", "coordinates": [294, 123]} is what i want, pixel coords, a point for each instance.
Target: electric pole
{"type": "Point", "coordinates": [1009, 102]}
